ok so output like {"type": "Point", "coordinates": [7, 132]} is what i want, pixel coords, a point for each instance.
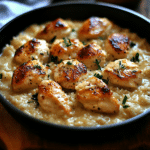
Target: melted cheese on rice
{"type": "Point", "coordinates": [137, 98]}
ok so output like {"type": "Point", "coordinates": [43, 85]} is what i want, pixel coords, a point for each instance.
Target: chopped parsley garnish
{"type": "Point", "coordinates": [34, 99]}
{"type": "Point", "coordinates": [83, 43]}
{"type": "Point", "coordinates": [37, 66]}
{"type": "Point", "coordinates": [125, 106]}
{"type": "Point", "coordinates": [55, 59]}
{"type": "Point", "coordinates": [101, 77]}
{"type": "Point", "coordinates": [98, 76]}
{"type": "Point", "coordinates": [136, 58]}
{"type": "Point", "coordinates": [67, 42]}
{"type": "Point", "coordinates": [33, 58]}
{"type": "Point", "coordinates": [47, 65]}
{"type": "Point", "coordinates": [73, 30]}
{"type": "Point", "coordinates": [60, 61]}
{"type": "Point", "coordinates": [1, 75]}
{"type": "Point", "coordinates": [124, 102]}
{"type": "Point", "coordinates": [97, 63]}
{"type": "Point", "coordinates": [69, 63]}
{"type": "Point", "coordinates": [132, 44]}
{"type": "Point", "coordinates": [121, 66]}
{"type": "Point", "coordinates": [105, 81]}
{"type": "Point", "coordinates": [53, 39]}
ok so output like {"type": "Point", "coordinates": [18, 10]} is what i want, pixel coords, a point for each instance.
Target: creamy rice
{"type": "Point", "coordinates": [138, 99]}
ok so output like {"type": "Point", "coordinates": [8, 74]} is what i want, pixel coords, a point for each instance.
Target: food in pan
{"type": "Point", "coordinates": [77, 73]}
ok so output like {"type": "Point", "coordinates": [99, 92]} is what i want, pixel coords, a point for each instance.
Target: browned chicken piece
{"type": "Point", "coordinates": [92, 55]}
{"type": "Point", "coordinates": [28, 76]}
{"type": "Point", "coordinates": [95, 95]}
{"type": "Point", "coordinates": [117, 45]}
{"type": "Point", "coordinates": [68, 72]}
{"type": "Point", "coordinates": [65, 48]}
{"type": "Point", "coordinates": [94, 27]}
{"type": "Point", "coordinates": [58, 28]}
{"type": "Point", "coordinates": [124, 73]}
{"type": "Point", "coordinates": [32, 50]}
{"type": "Point", "coordinates": [51, 97]}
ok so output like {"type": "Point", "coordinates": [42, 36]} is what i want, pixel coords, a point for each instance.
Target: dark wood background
{"type": "Point", "coordinates": [14, 136]}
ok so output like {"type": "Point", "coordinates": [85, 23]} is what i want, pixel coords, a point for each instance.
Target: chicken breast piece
{"type": "Point", "coordinates": [124, 73]}
{"type": "Point", "coordinates": [58, 28]}
{"type": "Point", "coordinates": [95, 95]}
{"type": "Point", "coordinates": [65, 48]}
{"type": "Point", "coordinates": [33, 49]}
{"type": "Point", "coordinates": [68, 72]}
{"type": "Point", "coordinates": [28, 76]}
{"type": "Point", "coordinates": [92, 54]}
{"type": "Point", "coordinates": [94, 27]}
{"type": "Point", "coordinates": [117, 45]}
{"type": "Point", "coordinates": [51, 97]}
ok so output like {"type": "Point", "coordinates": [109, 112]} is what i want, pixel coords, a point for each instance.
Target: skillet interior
{"type": "Point", "coordinates": [75, 11]}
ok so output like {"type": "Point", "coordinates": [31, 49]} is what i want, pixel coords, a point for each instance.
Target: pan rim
{"type": "Point", "coordinates": [8, 104]}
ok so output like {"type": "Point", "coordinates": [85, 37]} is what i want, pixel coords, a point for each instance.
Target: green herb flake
{"type": "Point", "coordinates": [1, 75]}
{"type": "Point", "coordinates": [124, 102]}
{"type": "Point", "coordinates": [69, 63]}
{"type": "Point", "coordinates": [47, 65]}
{"type": "Point", "coordinates": [33, 58]}
{"type": "Point", "coordinates": [101, 77]}
{"type": "Point", "coordinates": [83, 43]}
{"type": "Point", "coordinates": [125, 106]}
{"type": "Point", "coordinates": [97, 63]}
{"type": "Point", "coordinates": [121, 66]}
{"type": "Point", "coordinates": [136, 58]}
{"type": "Point", "coordinates": [54, 58]}
{"type": "Point", "coordinates": [132, 44]}
{"type": "Point", "coordinates": [98, 76]}
{"type": "Point", "coordinates": [37, 66]}
{"type": "Point", "coordinates": [67, 42]}
{"type": "Point", "coordinates": [60, 60]}
{"type": "Point", "coordinates": [34, 99]}
{"type": "Point", "coordinates": [105, 81]}
{"type": "Point", "coordinates": [73, 30]}
{"type": "Point", "coordinates": [53, 39]}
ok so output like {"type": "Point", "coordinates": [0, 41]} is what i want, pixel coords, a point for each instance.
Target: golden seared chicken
{"type": "Point", "coordinates": [95, 95]}
{"type": "Point", "coordinates": [68, 72]}
{"type": "Point", "coordinates": [94, 27]}
{"type": "Point", "coordinates": [66, 48]}
{"type": "Point", "coordinates": [117, 45]}
{"type": "Point", "coordinates": [33, 49]}
{"type": "Point", "coordinates": [58, 28]}
{"type": "Point", "coordinates": [51, 97]}
{"type": "Point", "coordinates": [124, 73]}
{"type": "Point", "coordinates": [28, 76]}
{"type": "Point", "coordinates": [92, 56]}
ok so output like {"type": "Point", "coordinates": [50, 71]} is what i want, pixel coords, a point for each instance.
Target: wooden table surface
{"type": "Point", "coordinates": [13, 136]}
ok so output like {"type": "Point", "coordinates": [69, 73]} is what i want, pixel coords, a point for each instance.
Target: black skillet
{"type": "Point", "coordinates": [75, 11]}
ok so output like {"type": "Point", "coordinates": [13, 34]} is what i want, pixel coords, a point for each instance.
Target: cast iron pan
{"type": "Point", "coordinates": [75, 11]}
